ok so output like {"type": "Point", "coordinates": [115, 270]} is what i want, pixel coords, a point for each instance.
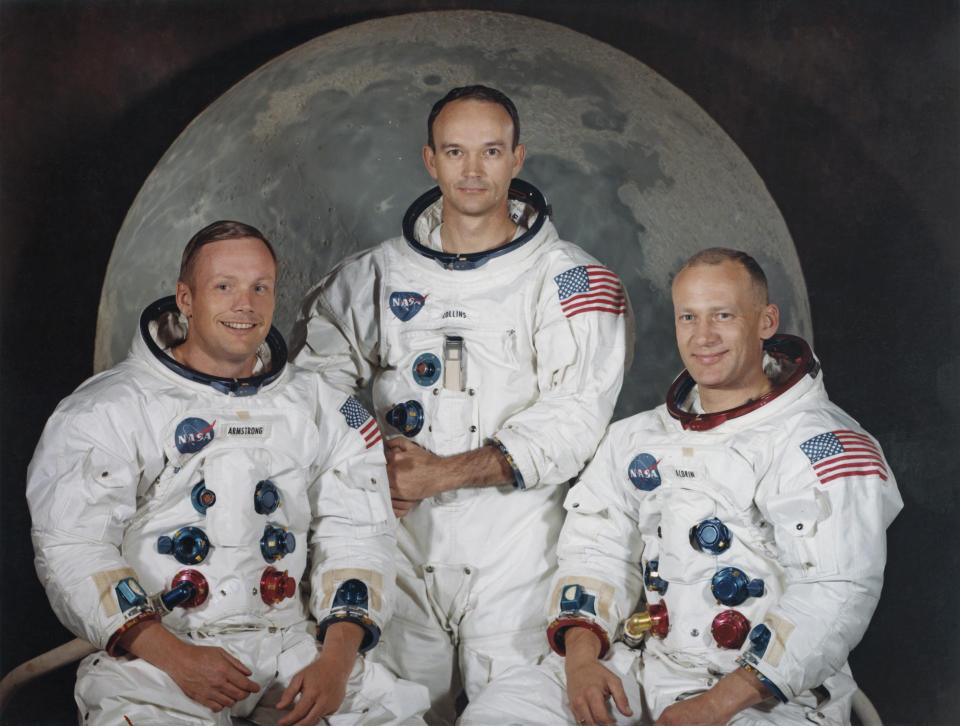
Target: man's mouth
{"type": "Point", "coordinates": [239, 326]}
{"type": "Point", "coordinates": [708, 358]}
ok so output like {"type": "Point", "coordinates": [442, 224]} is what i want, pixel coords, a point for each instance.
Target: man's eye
{"type": "Point", "coordinates": [223, 286]}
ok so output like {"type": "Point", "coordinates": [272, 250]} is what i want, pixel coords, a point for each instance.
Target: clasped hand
{"type": "Point", "coordinates": [414, 474]}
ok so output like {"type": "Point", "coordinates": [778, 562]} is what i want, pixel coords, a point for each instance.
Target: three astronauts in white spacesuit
{"type": "Point", "coordinates": [753, 512]}
{"type": "Point", "coordinates": [495, 353]}
{"type": "Point", "coordinates": [203, 477]}
{"type": "Point", "coordinates": [200, 480]}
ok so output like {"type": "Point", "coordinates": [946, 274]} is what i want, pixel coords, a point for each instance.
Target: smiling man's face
{"type": "Point", "coordinates": [229, 300]}
{"type": "Point", "coordinates": [721, 322]}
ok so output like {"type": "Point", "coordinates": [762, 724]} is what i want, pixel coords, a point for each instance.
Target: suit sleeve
{"type": "Point", "coordinates": [336, 333]}
{"type": "Point", "coordinates": [582, 354]}
{"type": "Point", "coordinates": [352, 543]}
{"type": "Point", "coordinates": [830, 517]}
{"type": "Point", "coordinates": [599, 580]}
{"type": "Point", "coordinates": [82, 489]}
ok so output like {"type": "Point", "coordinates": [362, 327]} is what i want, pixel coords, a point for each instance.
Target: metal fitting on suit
{"type": "Point", "coordinates": [188, 546]}
{"type": "Point", "coordinates": [407, 417]}
{"type": "Point", "coordinates": [276, 542]}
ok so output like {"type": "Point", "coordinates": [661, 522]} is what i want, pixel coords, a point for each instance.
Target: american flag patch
{"type": "Point", "coordinates": [358, 418]}
{"type": "Point", "coordinates": [837, 454]}
{"type": "Point", "coordinates": [590, 288]}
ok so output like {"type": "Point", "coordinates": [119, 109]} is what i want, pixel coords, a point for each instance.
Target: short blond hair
{"type": "Point", "coordinates": [719, 255]}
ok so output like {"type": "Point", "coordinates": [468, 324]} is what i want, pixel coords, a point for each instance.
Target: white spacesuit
{"type": "Point", "coordinates": [759, 533]}
{"type": "Point", "coordinates": [523, 346]}
{"type": "Point", "coordinates": [151, 475]}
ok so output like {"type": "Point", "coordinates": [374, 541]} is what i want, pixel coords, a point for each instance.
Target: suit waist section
{"type": "Point", "coordinates": [484, 527]}
{"type": "Point", "coordinates": [273, 622]}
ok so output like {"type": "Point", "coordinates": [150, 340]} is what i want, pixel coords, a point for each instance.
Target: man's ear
{"type": "Point", "coordinates": [769, 321]}
{"type": "Point", "coordinates": [184, 298]}
{"type": "Point", "coordinates": [429, 160]}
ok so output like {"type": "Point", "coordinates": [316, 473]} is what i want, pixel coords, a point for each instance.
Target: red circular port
{"type": "Point", "coordinates": [199, 582]}
{"type": "Point", "coordinates": [730, 629]}
{"type": "Point", "coordinates": [276, 586]}
{"type": "Point", "coordinates": [660, 620]}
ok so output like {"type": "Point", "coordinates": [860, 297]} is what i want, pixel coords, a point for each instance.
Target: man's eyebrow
{"type": "Point", "coordinates": [227, 276]}
{"type": "Point", "coordinates": [486, 144]}
{"type": "Point", "coordinates": [709, 309]}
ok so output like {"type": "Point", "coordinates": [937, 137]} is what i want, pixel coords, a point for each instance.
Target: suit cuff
{"type": "Point", "coordinates": [512, 449]}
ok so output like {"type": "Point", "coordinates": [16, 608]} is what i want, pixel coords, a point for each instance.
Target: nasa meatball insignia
{"type": "Point", "coordinates": [406, 304]}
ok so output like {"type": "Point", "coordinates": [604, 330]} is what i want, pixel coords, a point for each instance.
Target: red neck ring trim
{"type": "Point", "coordinates": [785, 347]}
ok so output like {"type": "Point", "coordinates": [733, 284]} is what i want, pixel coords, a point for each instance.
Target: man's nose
{"type": "Point", "coordinates": [243, 299]}
{"type": "Point", "coordinates": [474, 165]}
{"type": "Point", "coordinates": [704, 332]}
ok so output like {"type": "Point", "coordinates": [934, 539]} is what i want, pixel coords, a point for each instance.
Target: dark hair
{"type": "Point", "coordinates": [477, 93]}
{"type": "Point", "coordinates": [719, 255]}
{"type": "Point", "coordinates": [217, 232]}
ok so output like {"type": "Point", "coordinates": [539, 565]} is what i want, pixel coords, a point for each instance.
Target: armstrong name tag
{"type": "Point", "coordinates": [245, 430]}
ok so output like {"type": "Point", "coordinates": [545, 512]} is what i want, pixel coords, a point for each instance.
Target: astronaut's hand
{"type": "Point", "coordinates": [212, 677]}
{"type": "Point", "coordinates": [322, 685]}
{"type": "Point", "coordinates": [589, 682]}
{"type": "Point", "coordinates": [732, 693]}
{"type": "Point", "coordinates": [208, 675]}
{"type": "Point", "coordinates": [589, 685]}
{"type": "Point", "coordinates": [414, 474]}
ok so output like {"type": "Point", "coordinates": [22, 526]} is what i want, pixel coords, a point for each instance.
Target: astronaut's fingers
{"type": "Point", "coordinates": [598, 709]}
{"type": "Point", "coordinates": [216, 701]}
{"type": "Point", "coordinates": [238, 664]}
{"type": "Point", "coordinates": [619, 696]}
{"type": "Point", "coordinates": [290, 692]}
{"type": "Point", "coordinates": [320, 695]}
{"type": "Point", "coordinates": [235, 692]}
{"type": "Point", "coordinates": [402, 507]}
{"type": "Point", "coordinates": [305, 713]}
{"type": "Point", "coordinates": [411, 492]}
{"type": "Point", "coordinates": [238, 686]}
{"type": "Point", "coordinates": [398, 443]}
{"type": "Point", "coordinates": [210, 675]}
{"type": "Point", "coordinates": [590, 709]}
{"type": "Point", "coordinates": [217, 698]}
{"type": "Point", "coordinates": [210, 703]}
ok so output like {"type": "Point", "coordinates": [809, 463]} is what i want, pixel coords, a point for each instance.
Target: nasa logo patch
{"type": "Point", "coordinates": [193, 434]}
{"type": "Point", "coordinates": [406, 304]}
{"type": "Point", "coordinates": [643, 472]}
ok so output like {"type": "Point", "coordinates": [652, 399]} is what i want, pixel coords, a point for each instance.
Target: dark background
{"type": "Point", "coordinates": [849, 112]}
